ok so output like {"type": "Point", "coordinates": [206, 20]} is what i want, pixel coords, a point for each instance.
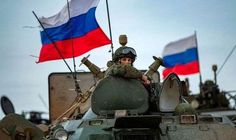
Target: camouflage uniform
{"type": "Point", "coordinates": [126, 71]}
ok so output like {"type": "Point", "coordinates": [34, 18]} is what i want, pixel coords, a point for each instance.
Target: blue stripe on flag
{"type": "Point", "coordinates": [189, 55]}
{"type": "Point", "coordinates": [77, 26]}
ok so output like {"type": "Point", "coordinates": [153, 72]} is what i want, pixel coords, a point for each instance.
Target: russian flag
{"type": "Point", "coordinates": [72, 36]}
{"type": "Point", "coordinates": [181, 57]}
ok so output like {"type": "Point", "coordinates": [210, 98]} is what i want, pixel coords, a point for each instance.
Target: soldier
{"type": "Point", "coordinates": [123, 60]}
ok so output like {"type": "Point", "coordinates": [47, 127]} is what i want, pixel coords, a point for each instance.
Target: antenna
{"type": "Point", "coordinates": [230, 53]}
{"type": "Point", "coordinates": [109, 23]}
{"type": "Point", "coordinates": [42, 100]}
{"type": "Point", "coordinates": [77, 88]}
{"type": "Point", "coordinates": [72, 42]}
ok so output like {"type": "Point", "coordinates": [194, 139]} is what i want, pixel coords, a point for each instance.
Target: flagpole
{"type": "Point", "coordinates": [72, 42]}
{"type": "Point", "coordinates": [55, 46]}
{"type": "Point", "coordinates": [109, 23]}
{"type": "Point", "coordinates": [77, 88]}
{"type": "Point", "coordinates": [200, 75]}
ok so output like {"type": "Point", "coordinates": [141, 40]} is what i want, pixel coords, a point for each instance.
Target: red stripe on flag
{"type": "Point", "coordinates": [189, 68]}
{"type": "Point", "coordinates": [92, 40]}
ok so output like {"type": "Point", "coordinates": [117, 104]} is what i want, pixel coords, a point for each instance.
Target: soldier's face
{"type": "Point", "coordinates": [126, 61]}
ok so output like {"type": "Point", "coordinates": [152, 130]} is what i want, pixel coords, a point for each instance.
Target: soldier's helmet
{"type": "Point", "coordinates": [124, 51]}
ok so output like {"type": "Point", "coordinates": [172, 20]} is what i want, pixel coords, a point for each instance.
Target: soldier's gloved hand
{"type": "Point", "coordinates": [145, 80]}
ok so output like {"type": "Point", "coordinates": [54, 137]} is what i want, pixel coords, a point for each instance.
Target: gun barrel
{"type": "Point", "coordinates": [93, 68]}
{"type": "Point", "coordinates": [154, 66]}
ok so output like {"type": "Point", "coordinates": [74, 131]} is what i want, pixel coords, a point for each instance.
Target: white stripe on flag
{"type": "Point", "coordinates": [180, 46]}
{"type": "Point", "coordinates": [77, 7]}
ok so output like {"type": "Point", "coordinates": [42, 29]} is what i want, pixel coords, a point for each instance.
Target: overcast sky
{"type": "Point", "coordinates": [149, 25]}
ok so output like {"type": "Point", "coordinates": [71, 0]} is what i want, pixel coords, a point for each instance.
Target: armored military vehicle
{"type": "Point", "coordinates": [126, 109]}
{"type": "Point", "coordinates": [35, 117]}
{"type": "Point", "coordinates": [212, 100]}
